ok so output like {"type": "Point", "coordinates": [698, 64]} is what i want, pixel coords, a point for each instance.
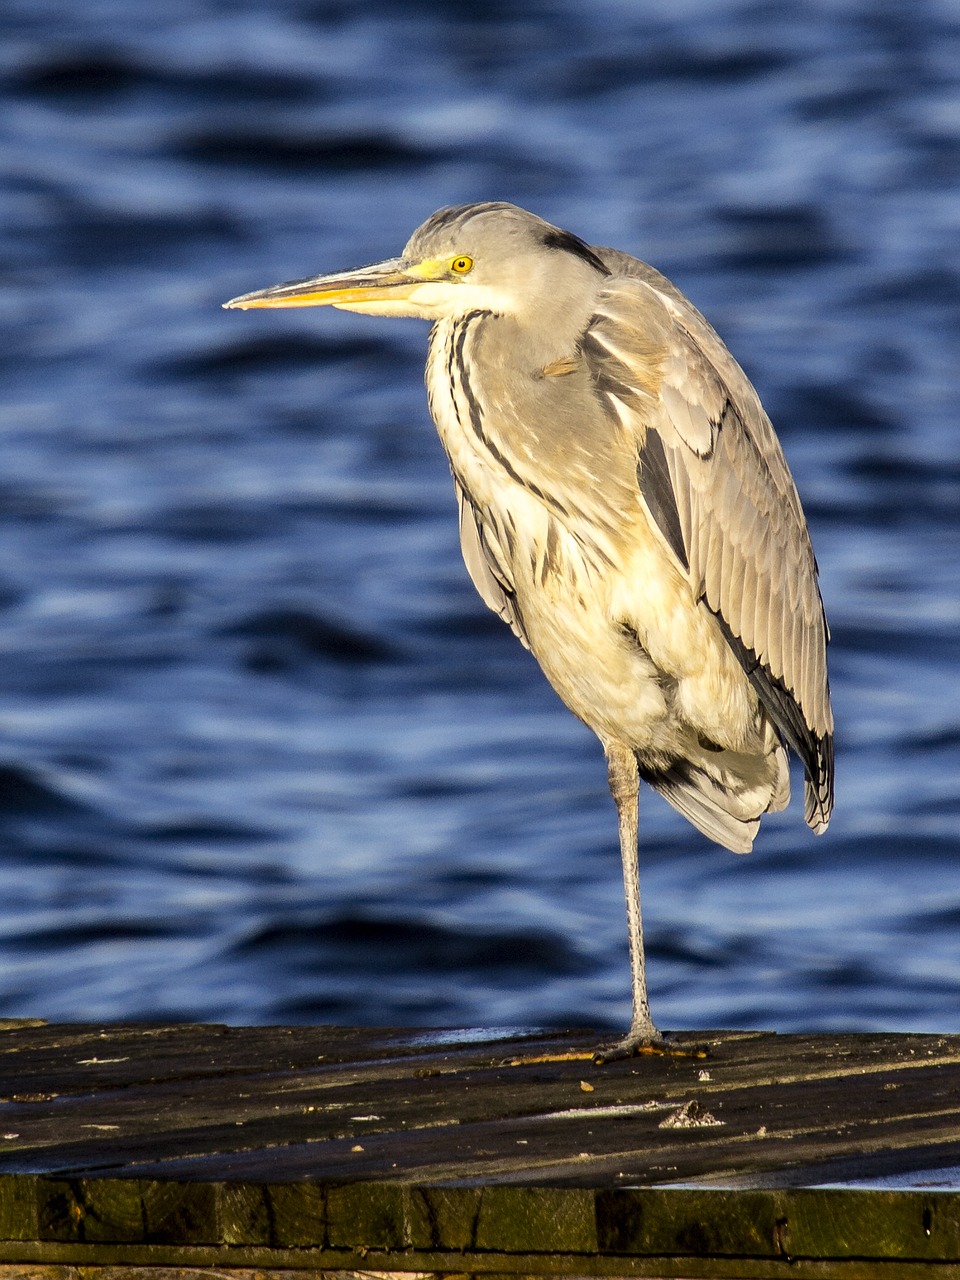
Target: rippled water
{"type": "Point", "coordinates": [263, 753]}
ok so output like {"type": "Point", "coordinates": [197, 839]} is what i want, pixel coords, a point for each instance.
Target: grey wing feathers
{"type": "Point", "coordinates": [486, 571]}
{"type": "Point", "coordinates": [714, 479]}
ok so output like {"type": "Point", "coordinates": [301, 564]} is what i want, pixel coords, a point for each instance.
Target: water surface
{"type": "Point", "coordinates": [264, 755]}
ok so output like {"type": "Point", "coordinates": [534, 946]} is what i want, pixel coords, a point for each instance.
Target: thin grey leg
{"type": "Point", "coordinates": [625, 787]}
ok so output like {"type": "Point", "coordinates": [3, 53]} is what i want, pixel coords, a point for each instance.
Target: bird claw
{"type": "Point", "coordinates": [635, 1045]}
{"type": "Point", "coordinates": [631, 1046]}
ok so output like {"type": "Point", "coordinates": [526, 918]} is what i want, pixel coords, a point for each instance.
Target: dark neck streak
{"type": "Point", "coordinates": [458, 373]}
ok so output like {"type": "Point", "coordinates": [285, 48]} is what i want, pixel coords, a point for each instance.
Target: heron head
{"type": "Point", "coordinates": [490, 257]}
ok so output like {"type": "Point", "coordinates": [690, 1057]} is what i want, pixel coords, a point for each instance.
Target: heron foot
{"type": "Point", "coordinates": [637, 1046]}
{"type": "Point", "coordinates": [638, 1040]}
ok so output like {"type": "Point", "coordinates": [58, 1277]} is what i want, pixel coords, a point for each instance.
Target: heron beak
{"type": "Point", "coordinates": [388, 282]}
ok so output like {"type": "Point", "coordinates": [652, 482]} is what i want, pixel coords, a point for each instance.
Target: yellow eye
{"type": "Point", "coordinates": [461, 265]}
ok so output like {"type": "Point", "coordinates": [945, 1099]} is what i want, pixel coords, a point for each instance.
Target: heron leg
{"type": "Point", "coordinates": [624, 779]}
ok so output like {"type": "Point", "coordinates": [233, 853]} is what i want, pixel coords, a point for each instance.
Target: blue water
{"type": "Point", "coordinates": [264, 755]}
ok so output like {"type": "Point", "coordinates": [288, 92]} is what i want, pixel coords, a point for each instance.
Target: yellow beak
{"type": "Point", "coordinates": [391, 282]}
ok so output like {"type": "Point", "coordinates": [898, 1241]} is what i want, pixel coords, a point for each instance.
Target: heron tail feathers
{"type": "Point", "coordinates": [725, 795]}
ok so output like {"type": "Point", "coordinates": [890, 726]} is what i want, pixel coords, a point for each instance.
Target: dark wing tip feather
{"type": "Point", "coordinates": [818, 792]}
{"type": "Point", "coordinates": [814, 750]}
{"type": "Point", "coordinates": [653, 476]}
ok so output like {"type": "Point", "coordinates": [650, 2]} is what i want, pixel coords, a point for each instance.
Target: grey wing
{"type": "Point", "coordinates": [486, 567]}
{"type": "Point", "coordinates": [716, 485]}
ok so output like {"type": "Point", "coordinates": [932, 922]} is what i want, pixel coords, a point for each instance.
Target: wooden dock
{"type": "Point", "coordinates": [254, 1152]}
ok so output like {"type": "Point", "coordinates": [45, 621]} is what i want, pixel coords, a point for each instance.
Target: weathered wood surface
{"type": "Point", "coordinates": [255, 1151]}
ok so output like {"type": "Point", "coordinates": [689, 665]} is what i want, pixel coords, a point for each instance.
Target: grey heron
{"type": "Point", "coordinates": [626, 508]}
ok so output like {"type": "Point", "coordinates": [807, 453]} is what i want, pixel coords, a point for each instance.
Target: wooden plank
{"type": "Point", "coordinates": [278, 1104]}
{"type": "Point", "coordinates": [530, 1231]}
{"type": "Point", "coordinates": [319, 1149]}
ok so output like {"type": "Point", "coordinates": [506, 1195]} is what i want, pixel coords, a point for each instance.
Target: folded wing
{"type": "Point", "coordinates": [714, 480]}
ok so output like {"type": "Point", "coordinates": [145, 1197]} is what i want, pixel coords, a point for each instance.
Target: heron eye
{"type": "Point", "coordinates": [461, 265]}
